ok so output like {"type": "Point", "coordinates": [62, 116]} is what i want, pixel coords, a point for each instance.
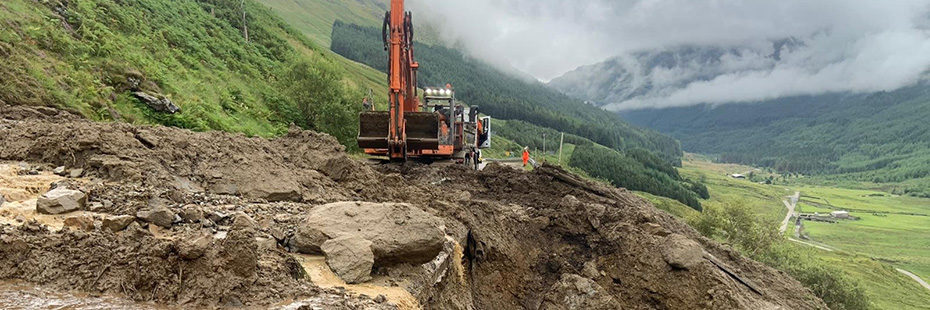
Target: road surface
{"type": "Point", "coordinates": [791, 203]}
{"type": "Point", "coordinates": [811, 244]}
{"type": "Point", "coordinates": [915, 277]}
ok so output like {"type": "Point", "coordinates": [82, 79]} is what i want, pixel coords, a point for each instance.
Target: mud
{"type": "Point", "coordinates": [512, 234]}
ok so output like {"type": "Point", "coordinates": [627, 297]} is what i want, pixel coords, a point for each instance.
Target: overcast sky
{"type": "Point", "coordinates": [850, 45]}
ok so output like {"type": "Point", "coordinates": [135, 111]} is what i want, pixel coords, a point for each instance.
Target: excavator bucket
{"type": "Point", "coordinates": [373, 129]}
{"type": "Point", "coordinates": [422, 130]}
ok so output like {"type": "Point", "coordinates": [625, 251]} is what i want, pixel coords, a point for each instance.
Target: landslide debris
{"type": "Point", "coordinates": [399, 233]}
{"type": "Point", "coordinates": [508, 239]}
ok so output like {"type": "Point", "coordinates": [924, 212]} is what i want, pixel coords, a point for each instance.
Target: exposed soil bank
{"type": "Point", "coordinates": [540, 240]}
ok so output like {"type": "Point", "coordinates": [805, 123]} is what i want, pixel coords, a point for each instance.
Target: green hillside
{"type": "Point", "coordinates": [882, 139]}
{"type": "Point", "coordinates": [90, 56]}
{"type": "Point", "coordinates": [315, 18]}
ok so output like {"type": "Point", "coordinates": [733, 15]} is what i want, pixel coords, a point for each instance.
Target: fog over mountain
{"type": "Point", "coordinates": [664, 53]}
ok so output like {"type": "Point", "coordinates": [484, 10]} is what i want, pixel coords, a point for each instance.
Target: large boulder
{"type": "Point", "coordinates": [576, 292]}
{"type": "Point", "coordinates": [350, 257]}
{"type": "Point", "coordinates": [680, 252]}
{"type": "Point", "coordinates": [61, 200]}
{"type": "Point", "coordinates": [399, 232]}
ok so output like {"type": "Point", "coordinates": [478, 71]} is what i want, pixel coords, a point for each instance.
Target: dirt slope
{"type": "Point", "coordinates": [531, 240]}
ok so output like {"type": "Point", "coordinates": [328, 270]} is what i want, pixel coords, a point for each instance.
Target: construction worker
{"type": "Point", "coordinates": [477, 159]}
{"type": "Point", "coordinates": [526, 155]}
{"type": "Point", "coordinates": [468, 156]}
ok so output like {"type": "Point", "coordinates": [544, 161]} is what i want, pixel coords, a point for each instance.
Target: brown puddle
{"type": "Point", "coordinates": [322, 276]}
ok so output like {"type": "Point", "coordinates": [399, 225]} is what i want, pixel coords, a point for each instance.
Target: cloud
{"type": "Point", "coordinates": [857, 46]}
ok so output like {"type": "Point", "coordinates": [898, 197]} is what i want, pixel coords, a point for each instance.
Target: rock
{"type": "Point", "coordinates": [60, 200]}
{"type": "Point", "coordinates": [159, 103]}
{"type": "Point", "coordinates": [240, 220]}
{"type": "Point", "coordinates": [80, 222]}
{"type": "Point", "coordinates": [350, 257]}
{"type": "Point", "coordinates": [76, 173]}
{"type": "Point", "coordinates": [380, 299]}
{"type": "Point", "coordinates": [223, 187]}
{"type": "Point", "coordinates": [215, 216]}
{"type": "Point", "coordinates": [570, 201]}
{"type": "Point", "coordinates": [277, 234]}
{"type": "Point", "coordinates": [160, 216]}
{"type": "Point", "coordinates": [95, 206]}
{"type": "Point", "coordinates": [400, 233]}
{"type": "Point", "coordinates": [60, 170]}
{"type": "Point", "coordinates": [265, 243]}
{"type": "Point", "coordinates": [66, 184]}
{"type": "Point", "coordinates": [590, 270]}
{"type": "Point", "coordinates": [681, 252]}
{"type": "Point", "coordinates": [656, 229]}
{"type": "Point", "coordinates": [2, 200]}
{"type": "Point", "coordinates": [576, 292]}
{"type": "Point", "coordinates": [192, 214]}
{"type": "Point", "coordinates": [117, 223]}
{"type": "Point", "coordinates": [195, 248]}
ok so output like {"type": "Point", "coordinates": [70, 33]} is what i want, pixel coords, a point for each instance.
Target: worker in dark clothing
{"type": "Point", "coordinates": [468, 156]}
{"type": "Point", "coordinates": [477, 159]}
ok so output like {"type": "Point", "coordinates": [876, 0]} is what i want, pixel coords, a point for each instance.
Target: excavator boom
{"type": "Point", "coordinates": [403, 130]}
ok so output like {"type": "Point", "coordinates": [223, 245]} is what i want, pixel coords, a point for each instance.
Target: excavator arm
{"type": "Point", "coordinates": [402, 130]}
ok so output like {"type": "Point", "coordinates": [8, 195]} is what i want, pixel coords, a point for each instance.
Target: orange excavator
{"type": "Point", "coordinates": [437, 129]}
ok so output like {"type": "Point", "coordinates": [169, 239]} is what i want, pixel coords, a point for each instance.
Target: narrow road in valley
{"type": "Point", "coordinates": [811, 244]}
{"type": "Point", "coordinates": [915, 277]}
{"type": "Point", "coordinates": [790, 203]}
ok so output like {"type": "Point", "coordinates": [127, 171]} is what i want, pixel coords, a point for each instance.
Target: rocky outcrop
{"type": "Point", "coordinates": [350, 257]}
{"type": "Point", "coordinates": [399, 232]}
{"type": "Point", "coordinates": [157, 102]}
{"type": "Point", "coordinates": [61, 200]}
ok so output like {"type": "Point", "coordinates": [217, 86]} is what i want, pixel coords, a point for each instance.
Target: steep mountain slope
{"type": "Point", "coordinates": [90, 56]}
{"type": "Point", "coordinates": [881, 138]}
{"type": "Point", "coordinates": [654, 73]}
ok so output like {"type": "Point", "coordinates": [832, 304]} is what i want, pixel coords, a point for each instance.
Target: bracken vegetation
{"type": "Point", "coordinates": [89, 56]}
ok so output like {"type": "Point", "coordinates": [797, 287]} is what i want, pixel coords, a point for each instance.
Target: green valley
{"type": "Point", "coordinates": [861, 254]}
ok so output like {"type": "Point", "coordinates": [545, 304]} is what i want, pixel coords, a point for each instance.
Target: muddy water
{"type": "Point", "coordinates": [16, 295]}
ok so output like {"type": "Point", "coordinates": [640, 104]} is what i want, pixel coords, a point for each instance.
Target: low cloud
{"type": "Point", "coordinates": [847, 46]}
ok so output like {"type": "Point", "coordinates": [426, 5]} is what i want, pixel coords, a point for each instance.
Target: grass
{"type": "Point", "coordinates": [764, 200]}
{"type": "Point", "coordinates": [78, 55]}
{"type": "Point", "coordinates": [868, 250]}
{"type": "Point", "coordinates": [316, 17]}
{"type": "Point", "coordinates": [891, 228]}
